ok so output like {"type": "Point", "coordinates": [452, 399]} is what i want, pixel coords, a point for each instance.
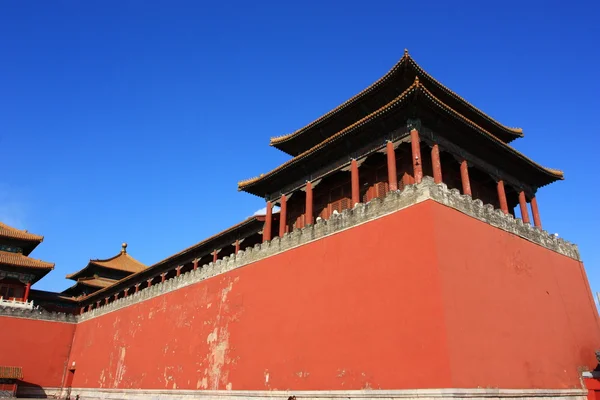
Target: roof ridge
{"type": "Point", "coordinates": [371, 87]}
{"type": "Point", "coordinates": [556, 172]}
{"type": "Point", "coordinates": [518, 131]}
{"type": "Point", "coordinates": [406, 57]}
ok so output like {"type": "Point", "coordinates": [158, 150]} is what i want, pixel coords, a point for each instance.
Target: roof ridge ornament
{"type": "Point", "coordinates": [416, 83]}
{"type": "Point", "coordinates": [124, 248]}
{"type": "Point", "coordinates": [406, 53]}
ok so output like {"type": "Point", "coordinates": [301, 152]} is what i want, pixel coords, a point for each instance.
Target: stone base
{"type": "Point", "coordinates": [409, 394]}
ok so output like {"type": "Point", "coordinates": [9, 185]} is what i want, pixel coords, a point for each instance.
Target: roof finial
{"type": "Point", "coordinates": [405, 52]}
{"type": "Point", "coordinates": [416, 81]}
{"type": "Point", "coordinates": [124, 248]}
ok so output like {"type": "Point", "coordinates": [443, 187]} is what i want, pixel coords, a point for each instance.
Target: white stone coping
{"type": "Point", "coordinates": [421, 394]}
{"type": "Point", "coordinates": [26, 305]}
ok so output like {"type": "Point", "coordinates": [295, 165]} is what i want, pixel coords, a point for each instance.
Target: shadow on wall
{"type": "Point", "coordinates": [28, 390]}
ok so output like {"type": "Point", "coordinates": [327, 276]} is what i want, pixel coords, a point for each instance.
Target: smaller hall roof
{"type": "Point", "coordinates": [93, 282]}
{"type": "Point", "coordinates": [21, 261]}
{"type": "Point", "coordinates": [121, 262]}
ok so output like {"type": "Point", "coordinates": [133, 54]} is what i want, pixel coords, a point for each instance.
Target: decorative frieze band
{"type": "Point", "coordinates": [361, 213]}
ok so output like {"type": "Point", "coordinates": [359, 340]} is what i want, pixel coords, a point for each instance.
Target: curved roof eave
{"type": "Point", "coordinates": [249, 182]}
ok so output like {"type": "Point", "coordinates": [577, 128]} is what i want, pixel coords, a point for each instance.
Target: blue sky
{"type": "Point", "coordinates": [134, 120]}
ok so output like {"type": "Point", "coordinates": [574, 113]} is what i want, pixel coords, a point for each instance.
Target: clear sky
{"type": "Point", "coordinates": [134, 120]}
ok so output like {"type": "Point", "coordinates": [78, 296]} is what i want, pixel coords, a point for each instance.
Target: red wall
{"type": "Point", "coordinates": [516, 314]}
{"type": "Point", "coordinates": [41, 348]}
{"type": "Point", "coordinates": [425, 297]}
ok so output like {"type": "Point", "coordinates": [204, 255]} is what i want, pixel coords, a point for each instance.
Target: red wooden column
{"type": "Point", "coordinates": [106, 299]}
{"type": "Point", "coordinates": [163, 277]}
{"type": "Point", "coordinates": [416, 155]}
{"type": "Point", "coordinates": [98, 304]}
{"type": "Point", "coordinates": [354, 181]}
{"type": "Point", "coordinates": [149, 281]}
{"type": "Point", "coordinates": [178, 270]}
{"type": "Point", "coordinates": [237, 246]}
{"type": "Point", "coordinates": [268, 222]}
{"type": "Point", "coordinates": [436, 164]}
{"type": "Point", "coordinates": [391, 165]}
{"type": "Point", "coordinates": [26, 295]}
{"type": "Point", "coordinates": [215, 255]}
{"type": "Point", "coordinates": [125, 292]}
{"type": "Point", "coordinates": [502, 196]}
{"type": "Point", "coordinates": [282, 215]}
{"type": "Point", "coordinates": [537, 222]}
{"type": "Point", "coordinates": [137, 287]}
{"type": "Point", "coordinates": [523, 207]}
{"type": "Point", "coordinates": [89, 307]}
{"type": "Point", "coordinates": [195, 263]}
{"type": "Point", "coordinates": [81, 310]}
{"type": "Point", "coordinates": [464, 177]}
{"type": "Point", "coordinates": [116, 296]}
{"type": "Point", "coordinates": [308, 217]}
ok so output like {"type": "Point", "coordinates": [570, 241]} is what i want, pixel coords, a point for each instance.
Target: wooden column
{"type": "Point", "coordinates": [464, 177]}
{"type": "Point", "coordinates": [354, 181]}
{"type": "Point", "coordinates": [89, 307]}
{"type": "Point", "coordinates": [106, 299]}
{"type": "Point", "coordinates": [98, 304]}
{"type": "Point", "coordinates": [195, 263]}
{"type": "Point", "coordinates": [391, 166]}
{"type": "Point", "coordinates": [237, 246]}
{"type": "Point", "coordinates": [523, 207]}
{"type": "Point", "coordinates": [537, 222]}
{"type": "Point", "coordinates": [416, 155]}
{"type": "Point", "coordinates": [81, 310]}
{"type": "Point", "coordinates": [268, 222]}
{"type": "Point", "coordinates": [116, 296]}
{"type": "Point", "coordinates": [308, 216]}
{"type": "Point", "coordinates": [436, 164]}
{"type": "Point", "coordinates": [502, 196]}
{"type": "Point", "coordinates": [137, 287]}
{"type": "Point", "coordinates": [125, 292]}
{"type": "Point", "coordinates": [163, 277]}
{"type": "Point", "coordinates": [282, 215]}
{"type": "Point", "coordinates": [26, 295]}
{"type": "Point", "coordinates": [178, 270]}
{"type": "Point", "coordinates": [149, 281]}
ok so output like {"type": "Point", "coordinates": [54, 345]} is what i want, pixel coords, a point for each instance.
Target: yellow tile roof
{"type": "Point", "coordinates": [19, 260]}
{"type": "Point", "coordinates": [14, 233]}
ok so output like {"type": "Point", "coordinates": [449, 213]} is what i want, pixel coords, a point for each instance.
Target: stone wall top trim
{"type": "Point", "coordinates": [360, 214]}
{"type": "Point", "coordinates": [37, 314]}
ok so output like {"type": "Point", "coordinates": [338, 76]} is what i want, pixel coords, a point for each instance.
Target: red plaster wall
{"type": "Point", "coordinates": [516, 314]}
{"type": "Point", "coordinates": [41, 348]}
{"type": "Point", "coordinates": [425, 297]}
